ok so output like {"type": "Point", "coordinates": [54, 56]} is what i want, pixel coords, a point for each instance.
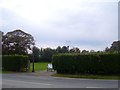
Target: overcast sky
{"type": "Point", "coordinates": [87, 24]}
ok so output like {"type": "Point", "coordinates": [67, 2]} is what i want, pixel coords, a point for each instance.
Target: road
{"type": "Point", "coordinates": [36, 81]}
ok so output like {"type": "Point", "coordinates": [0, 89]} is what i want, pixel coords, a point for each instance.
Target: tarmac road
{"type": "Point", "coordinates": [35, 81]}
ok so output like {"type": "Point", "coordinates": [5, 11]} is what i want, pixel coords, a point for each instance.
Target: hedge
{"type": "Point", "coordinates": [15, 63]}
{"type": "Point", "coordinates": [106, 63]}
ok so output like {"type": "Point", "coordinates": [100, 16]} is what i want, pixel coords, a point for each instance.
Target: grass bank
{"type": "Point", "coordinates": [108, 77]}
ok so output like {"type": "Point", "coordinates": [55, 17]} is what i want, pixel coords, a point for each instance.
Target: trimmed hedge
{"type": "Point", "coordinates": [106, 63]}
{"type": "Point", "coordinates": [15, 63]}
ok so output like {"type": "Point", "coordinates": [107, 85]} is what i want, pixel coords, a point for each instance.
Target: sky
{"type": "Point", "coordinates": [87, 24]}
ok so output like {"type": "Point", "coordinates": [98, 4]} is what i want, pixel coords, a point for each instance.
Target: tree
{"type": "Point", "coordinates": [46, 54]}
{"type": "Point", "coordinates": [17, 42]}
{"type": "Point", "coordinates": [75, 50]}
{"type": "Point", "coordinates": [64, 49]}
{"type": "Point", "coordinates": [92, 51]}
{"type": "Point", "coordinates": [85, 51]}
{"type": "Point", "coordinates": [1, 34]}
{"type": "Point", "coordinates": [115, 46]}
{"type": "Point", "coordinates": [59, 49]}
{"type": "Point", "coordinates": [36, 53]}
{"type": "Point", "coordinates": [107, 49]}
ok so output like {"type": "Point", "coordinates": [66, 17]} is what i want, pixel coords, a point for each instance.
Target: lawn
{"type": "Point", "coordinates": [39, 66]}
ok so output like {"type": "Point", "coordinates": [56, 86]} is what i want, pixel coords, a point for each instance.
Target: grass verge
{"type": "Point", "coordinates": [108, 77]}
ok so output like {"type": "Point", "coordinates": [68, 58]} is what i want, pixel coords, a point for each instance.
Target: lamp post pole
{"type": "Point", "coordinates": [33, 59]}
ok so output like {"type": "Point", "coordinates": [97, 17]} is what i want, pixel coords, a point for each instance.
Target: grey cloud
{"type": "Point", "coordinates": [82, 28]}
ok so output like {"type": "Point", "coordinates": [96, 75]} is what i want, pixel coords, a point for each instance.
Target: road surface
{"type": "Point", "coordinates": [35, 81]}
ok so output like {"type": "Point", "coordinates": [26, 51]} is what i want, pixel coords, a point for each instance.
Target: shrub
{"type": "Point", "coordinates": [106, 63]}
{"type": "Point", "coordinates": [110, 63]}
{"type": "Point", "coordinates": [15, 63]}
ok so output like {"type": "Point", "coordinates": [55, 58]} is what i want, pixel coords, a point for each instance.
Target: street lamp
{"type": "Point", "coordinates": [33, 70]}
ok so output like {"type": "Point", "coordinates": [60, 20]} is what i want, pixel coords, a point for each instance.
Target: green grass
{"type": "Point", "coordinates": [111, 77]}
{"type": "Point", "coordinates": [39, 66]}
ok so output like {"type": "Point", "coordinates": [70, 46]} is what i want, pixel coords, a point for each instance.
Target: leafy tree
{"type": "Point", "coordinates": [107, 49]}
{"type": "Point", "coordinates": [59, 49]}
{"type": "Point", "coordinates": [85, 51]}
{"type": "Point", "coordinates": [46, 54]}
{"type": "Point", "coordinates": [75, 50]}
{"type": "Point", "coordinates": [92, 51]}
{"type": "Point", "coordinates": [115, 46]}
{"type": "Point", "coordinates": [36, 53]}
{"type": "Point", "coordinates": [65, 49]}
{"type": "Point", "coordinates": [17, 42]}
{"type": "Point", "coordinates": [1, 34]}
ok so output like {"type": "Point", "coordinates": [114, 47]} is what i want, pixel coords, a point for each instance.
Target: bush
{"type": "Point", "coordinates": [110, 63]}
{"type": "Point", "coordinates": [106, 63]}
{"type": "Point", "coordinates": [15, 63]}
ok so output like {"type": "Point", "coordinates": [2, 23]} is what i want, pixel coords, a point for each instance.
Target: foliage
{"type": "Point", "coordinates": [1, 34]}
{"type": "Point", "coordinates": [36, 53]}
{"type": "Point", "coordinates": [115, 47]}
{"type": "Point", "coordinates": [64, 49]}
{"type": "Point", "coordinates": [46, 54]}
{"type": "Point", "coordinates": [15, 63]}
{"type": "Point", "coordinates": [16, 42]}
{"type": "Point", "coordinates": [106, 63]}
{"type": "Point", "coordinates": [85, 51]}
{"type": "Point", "coordinates": [74, 50]}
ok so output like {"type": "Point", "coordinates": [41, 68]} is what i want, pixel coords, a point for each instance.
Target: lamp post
{"type": "Point", "coordinates": [33, 70]}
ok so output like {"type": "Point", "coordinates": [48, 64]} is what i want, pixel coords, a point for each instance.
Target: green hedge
{"type": "Point", "coordinates": [106, 63]}
{"type": "Point", "coordinates": [15, 63]}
